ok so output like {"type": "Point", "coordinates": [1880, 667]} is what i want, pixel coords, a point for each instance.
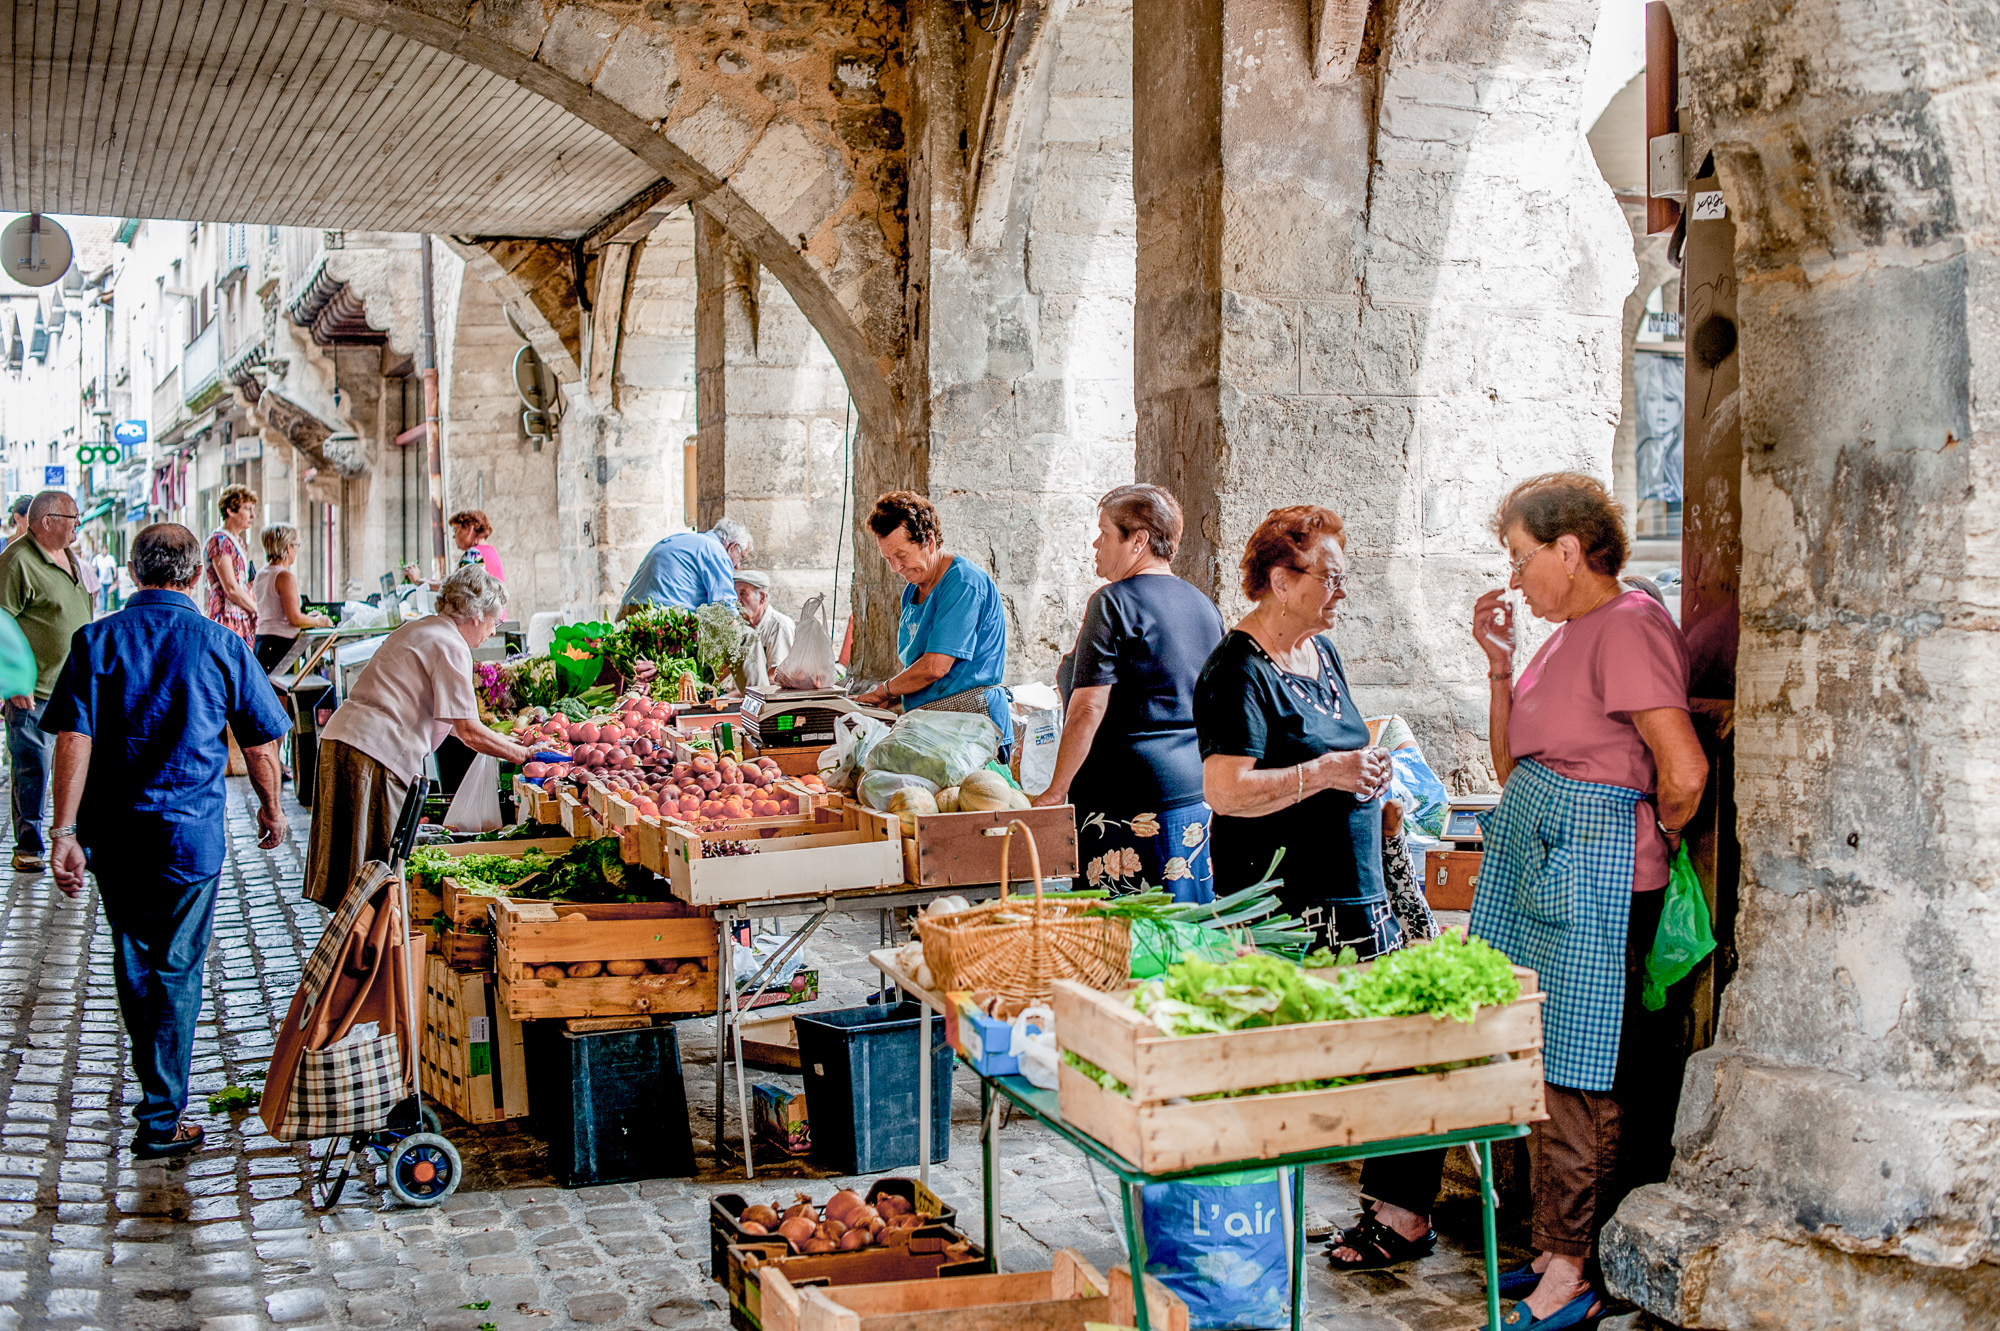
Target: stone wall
{"type": "Point", "coordinates": [1839, 1147]}
{"type": "Point", "coordinates": [1029, 296]}
{"type": "Point", "coordinates": [1395, 296]}
{"type": "Point", "coordinates": [488, 462]}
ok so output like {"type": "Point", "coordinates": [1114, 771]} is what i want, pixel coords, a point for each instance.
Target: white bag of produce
{"type": "Point", "coordinates": [877, 788]}
{"type": "Point", "coordinates": [811, 663]}
{"type": "Point", "coordinates": [853, 736]}
{"type": "Point", "coordinates": [476, 806]}
{"type": "Point", "coordinates": [1037, 712]}
{"type": "Point", "coordinates": [940, 747]}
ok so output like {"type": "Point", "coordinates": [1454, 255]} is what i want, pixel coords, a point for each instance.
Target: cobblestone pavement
{"type": "Point", "coordinates": [226, 1240]}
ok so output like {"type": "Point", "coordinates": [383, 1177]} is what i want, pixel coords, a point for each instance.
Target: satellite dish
{"type": "Point", "coordinates": [533, 381]}
{"type": "Point", "coordinates": [34, 250]}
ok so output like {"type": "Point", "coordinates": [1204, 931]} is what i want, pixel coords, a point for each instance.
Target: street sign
{"type": "Point", "coordinates": [129, 433]}
{"type": "Point", "coordinates": [34, 250]}
{"type": "Point", "coordinates": [108, 453]}
{"type": "Point", "coordinates": [55, 477]}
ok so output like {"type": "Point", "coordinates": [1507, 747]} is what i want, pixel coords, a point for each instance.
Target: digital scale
{"type": "Point", "coordinates": [798, 718]}
{"type": "Point", "coordinates": [1461, 820]}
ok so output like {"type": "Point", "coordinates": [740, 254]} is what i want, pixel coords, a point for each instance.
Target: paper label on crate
{"type": "Point", "coordinates": [478, 1029]}
{"type": "Point", "coordinates": [479, 1060]}
{"type": "Point", "coordinates": [924, 1200]}
{"type": "Point", "coordinates": [968, 1036]}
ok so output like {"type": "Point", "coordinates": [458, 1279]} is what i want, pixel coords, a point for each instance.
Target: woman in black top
{"type": "Point", "coordinates": [1128, 759]}
{"type": "Point", "coordinates": [1286, 762]}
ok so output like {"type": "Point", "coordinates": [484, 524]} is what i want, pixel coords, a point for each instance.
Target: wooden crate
{"type": "Point", "coordinates": [531, 805]}
{"type": "Point", "coordinates": [794, 762]}
{"type": "Point", "coordinates": [535, 933]}
{"type": "Point", "coordinates": [923, 1258]}
{"type": "Point", "coordinates": [1067, 1297]}
{"type": "Point", "coordinates": [466, 951]}
{"type": "Point", "coordinates": [1160, 1137]}
{"type": "Point", "coordinates": [470, 1059]}
{"type": "Point", "coordinates": [459, 850]}
{"type": "Point", "coordinates": [851, 849]}
{"type": "Point", "coordinates": [954, 849]}
{"type": "Point", "coordinates": [575, 816]}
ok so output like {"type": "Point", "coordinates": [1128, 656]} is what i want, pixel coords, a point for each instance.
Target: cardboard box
{"type": "Point", "coordinates": [782, 1119]}
{"type": "Point", "coordinates": [982, 1041]}
{"type": "Point", "coordinates": [1450, 878]}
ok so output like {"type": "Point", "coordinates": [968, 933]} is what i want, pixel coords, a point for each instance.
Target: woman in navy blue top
{"type": "Point", "coordinates": [1128, 759]}
{"type": "Point", "coordinates": [1286, 762]}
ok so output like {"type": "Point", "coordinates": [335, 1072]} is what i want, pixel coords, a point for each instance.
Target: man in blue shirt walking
{"type": "Point", "coordinates": [138, 715]}
{"type": "Point", "coordinates": [690, 569]}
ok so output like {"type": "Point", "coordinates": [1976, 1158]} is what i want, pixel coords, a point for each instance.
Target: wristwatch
{"type": "Point", "coordinates": [69, 831]}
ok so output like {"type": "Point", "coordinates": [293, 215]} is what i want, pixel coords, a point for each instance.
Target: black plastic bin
{"type": "Point", "coordinates": [610, 1104]}
{"type": "Point", "coordinates": [860, 1067]}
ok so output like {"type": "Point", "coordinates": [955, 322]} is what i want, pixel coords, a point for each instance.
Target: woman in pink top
{"type": "Point", "coordinates": [1601, 770]}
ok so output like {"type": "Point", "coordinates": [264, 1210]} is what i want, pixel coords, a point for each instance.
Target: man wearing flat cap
{"type": "Point", "coordinates": [774, 627]}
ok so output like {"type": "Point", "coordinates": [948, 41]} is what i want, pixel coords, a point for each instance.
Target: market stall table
{"type": "Point", "coordinates": [1042, 1106]}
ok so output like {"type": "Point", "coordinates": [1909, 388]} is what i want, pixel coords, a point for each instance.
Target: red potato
{"type": "Point", "coordinates": [583, 732]}
{"type": "Point", "coordinates": [535, 771]}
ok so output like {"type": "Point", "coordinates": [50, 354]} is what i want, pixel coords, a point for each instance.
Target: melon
{"type": "Point", "coordinates": [985, 790]}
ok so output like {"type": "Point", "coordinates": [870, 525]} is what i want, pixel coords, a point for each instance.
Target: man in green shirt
{"type": "Point", "coordinates": [41, 585]}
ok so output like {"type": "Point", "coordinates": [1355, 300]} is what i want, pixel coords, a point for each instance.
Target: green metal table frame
{"type": "Point", "coordinates": [1041, 1106]}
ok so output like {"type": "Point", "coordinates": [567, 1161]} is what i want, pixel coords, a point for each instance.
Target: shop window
{"type": "Point", "coordinates": [1659, 372]}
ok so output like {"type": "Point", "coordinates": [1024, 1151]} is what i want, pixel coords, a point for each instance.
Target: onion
{"type": "Point", "coordinates": [890, 1205]}
{"type": "Point", "coordinates": [760, 1215]}
{"type": "Point", "coordinates": [841, 1205]}
{"type": "Point", "coordinates": [831, 1229]}
{"type": "Point", "coordinates": [797, 1231]}
{"type": "Point", "coordinates": [853, 1239]}
{"type": "Point", "coordinates": [752, 1227]}
{"type": "Point", "coordinates": [894, 1238]}
{"type": "Point", "coordinates": [802, 1207]}
{"type": "Point", "coordinates": [860, 1215]}
{"type": "Point", "coordinates": [819, 1245]}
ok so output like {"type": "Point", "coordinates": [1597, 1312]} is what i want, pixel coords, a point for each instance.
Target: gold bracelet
{"type": "Point", "coordinates": [1301, 797]}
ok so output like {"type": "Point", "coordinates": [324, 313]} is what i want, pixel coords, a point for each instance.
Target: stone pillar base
{"type": "Point", "coordinates": [1697, 1267]}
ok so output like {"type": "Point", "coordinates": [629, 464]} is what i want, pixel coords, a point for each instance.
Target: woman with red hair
{"type": "Point", "coordinates": [1286, 763]}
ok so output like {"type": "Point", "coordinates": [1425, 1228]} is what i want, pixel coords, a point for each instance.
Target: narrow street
{"type": "Point", "coordinates": [226, 1240]}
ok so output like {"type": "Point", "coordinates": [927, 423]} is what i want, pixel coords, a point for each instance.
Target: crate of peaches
{"type": "Point", "coordinates": [631, 737]}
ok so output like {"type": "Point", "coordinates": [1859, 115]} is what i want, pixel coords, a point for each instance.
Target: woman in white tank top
{"type": "Point", "coordinates": [276, 590]}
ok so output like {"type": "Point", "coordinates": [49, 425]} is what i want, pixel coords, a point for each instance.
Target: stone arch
{"type": "Point", "coordinates": [807, 175]}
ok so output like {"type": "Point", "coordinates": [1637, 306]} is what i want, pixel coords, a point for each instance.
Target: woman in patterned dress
{"type": "Point", "coordinates": [230, 602]}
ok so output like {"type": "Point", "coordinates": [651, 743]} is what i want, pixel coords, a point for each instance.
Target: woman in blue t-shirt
{"type": "Point", "coordinates": [1129, 760]}
{"type": "Point", "coordinates": [1286, 761]}
{"type": "Point", "coordinates": [952, 635]}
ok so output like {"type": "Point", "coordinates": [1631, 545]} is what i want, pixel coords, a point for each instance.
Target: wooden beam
{"type": "Point", "coordinates": [607, 318]}
{"type": "Point", "coordinates": [635, 218]}
{"type": "Point", "coordinates": [1336, 31]}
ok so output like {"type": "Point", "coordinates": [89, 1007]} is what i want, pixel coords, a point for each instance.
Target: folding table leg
{"type": "Point", "coordinates": [924, 1097]}
{"type": "Point", "coordinates": [1483, 1152]}
{"type": "Point", "coordinates": [1298, 1245]}
{"type": "Point", "coordinates": [725, 971]}
{"type": "Point", "coordinates": [989, 1176]}
{"type": "Point", "coordinates": [1135, 1251]}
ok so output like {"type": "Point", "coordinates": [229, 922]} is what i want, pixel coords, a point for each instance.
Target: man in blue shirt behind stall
{"type": "Point", "coordinates": [690, 569]}
{"type": "Point", "coordinates": [138, 715]}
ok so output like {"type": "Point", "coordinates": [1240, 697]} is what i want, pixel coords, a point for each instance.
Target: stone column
{"type": "Point", "coordinates": [1395, 295]}
{"type": "Point", "coordinates": [1838, 1149]}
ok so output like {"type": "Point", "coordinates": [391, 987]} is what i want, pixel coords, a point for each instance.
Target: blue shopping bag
{"type": "Point", "coordinates": [1223, 1246]}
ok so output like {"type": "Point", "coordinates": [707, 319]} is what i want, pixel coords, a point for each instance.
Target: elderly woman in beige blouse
{"type": "Point", "coordinates": [416, 689]}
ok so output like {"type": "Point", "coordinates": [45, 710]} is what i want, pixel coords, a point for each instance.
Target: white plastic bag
{"type": "Point", "coordinates": [940, 747]}
{"type": "Point", "coordinates": [853, 736]}
{"type": "Point", "coordinates": [1037, 711]}
{"type": "Point", "coordinates": [876, 788]}
{"type": "Point", "coordinates": [361, 615]}
{"type": "Point", "coordinates": [810, 664]}
{"type": "Point", "coordinates": [1033, 1042]}
{"type": "Point", "coordinates": [476, 806]}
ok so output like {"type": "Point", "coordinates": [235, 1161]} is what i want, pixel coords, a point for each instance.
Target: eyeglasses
{"type": "Point", "coordinates": [64, 517]}
{"type": "Point", "coordinates": [1333, 582]}
{"type": "Point", "coordinates": [1514, 567]}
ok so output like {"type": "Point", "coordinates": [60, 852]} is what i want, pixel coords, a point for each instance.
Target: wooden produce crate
{"type": "Point", "coordinates": [464, 951]}
{"type": "Point", "coordinates": [1161, 1137]}
{"type": "Point", "coordinates": [793, 762]}
{"type": "Point", "coordinates": [954, 849]}
{"type": "Point", "coordinates": [575, 816]}
{"type": "Point", "coordinates": [923, 1258]}
{"type": "Point", "coordinates": [851, 849]}
{"type": "Point", "coordinates": [771, 1042]}
{"type": "Point", "coordinates": [540, 933]}
{"type": "Point", "coordinates": [470, 1060]}
{"type": "Point", "coordinates": [458, 850]}
{"type": "Point", "coordinates": [531, 805]}
{"type": "Point", "coordinates": [1067, 1297]}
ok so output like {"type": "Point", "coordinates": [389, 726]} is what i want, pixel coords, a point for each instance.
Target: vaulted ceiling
{"type": "Point", "coordinates": [266, 111]}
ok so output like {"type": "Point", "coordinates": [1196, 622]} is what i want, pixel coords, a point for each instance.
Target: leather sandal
{"type": "Point", "coordinates": [1378, 1246]}
{"type": "Point", "coordinates": [1586, 1309]}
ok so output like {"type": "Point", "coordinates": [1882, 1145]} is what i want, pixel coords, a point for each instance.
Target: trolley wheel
{"type": "Point", "coordinates": [432, 1123]}
{"type": "Point", "coordinates": [423, 1169]}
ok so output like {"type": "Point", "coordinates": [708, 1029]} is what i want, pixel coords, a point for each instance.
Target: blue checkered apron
{"type": "Point", "coordinates": [1555, 894]}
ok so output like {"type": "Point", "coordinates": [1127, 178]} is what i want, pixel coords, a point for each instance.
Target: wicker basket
{"type": "Point", "coordinates": [1020, 959]}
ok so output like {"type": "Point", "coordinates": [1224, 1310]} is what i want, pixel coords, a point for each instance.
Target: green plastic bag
{"type": "Point", "coordinates": [18, 671]}
{"type": "Point", "coordinates": [1684, 936]}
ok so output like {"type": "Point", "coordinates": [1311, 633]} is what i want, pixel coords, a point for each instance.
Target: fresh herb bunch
{"type": "Point", "coordinates": [657, 633]}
